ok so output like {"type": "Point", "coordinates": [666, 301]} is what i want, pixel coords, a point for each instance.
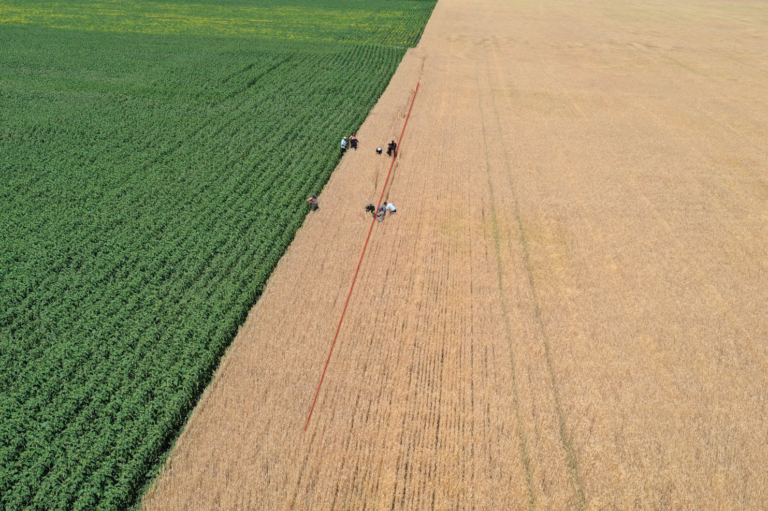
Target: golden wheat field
{"type": "Point", "coordinates": [568, 310]}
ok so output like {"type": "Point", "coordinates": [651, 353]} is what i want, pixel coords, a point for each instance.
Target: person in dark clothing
{"type": "Point", "coordinates": [313, 205]}
{"type": "Point", "coordinates": [353, 141]}
{"type": "Point", "coordinates": [370, 208]}
{"type": "Point", "coordinates": [392, 148]}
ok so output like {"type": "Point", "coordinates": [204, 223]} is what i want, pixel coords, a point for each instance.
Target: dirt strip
{"type": "Point", "coordinates": [568, 309]}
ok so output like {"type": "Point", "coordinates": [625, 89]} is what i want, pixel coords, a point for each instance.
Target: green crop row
{"type": "Point", "coordinates": [150, 184]}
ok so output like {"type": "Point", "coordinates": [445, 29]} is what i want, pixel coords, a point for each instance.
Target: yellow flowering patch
{"type": "Point", "coordinates": [303, 24]}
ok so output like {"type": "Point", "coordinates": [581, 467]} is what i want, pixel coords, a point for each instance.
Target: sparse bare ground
{"type": "Point", "coordinates": [569, 309]}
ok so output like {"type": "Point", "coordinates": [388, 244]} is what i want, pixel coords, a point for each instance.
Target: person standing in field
{"type": "Point", "coordinates": [343, 145]}
{"type": "Point", "coordinates": [353, 141]}
{"type": "Point", "coordinates": [380, 213]}
{"type": "Point", "coordinates": [390, 207]}
{"type": "Point", "coordinates": [392, 148]}
{"type": "Point", "coordinates": [313, 204]}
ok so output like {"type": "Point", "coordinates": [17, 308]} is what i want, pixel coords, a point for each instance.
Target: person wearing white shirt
{"type": "Point", "coordinates": [391, 207]}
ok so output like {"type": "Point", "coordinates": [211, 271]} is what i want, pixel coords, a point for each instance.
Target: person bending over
{"type": "Point", "coordinates": [380, 213]}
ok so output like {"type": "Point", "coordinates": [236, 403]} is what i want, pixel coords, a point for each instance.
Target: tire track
{"type": "Point", "coordinates": [565, 439]}
{"type": "Point", "coordinates": [522, 436]}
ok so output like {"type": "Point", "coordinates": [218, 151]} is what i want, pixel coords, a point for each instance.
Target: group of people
{"type": "Point", "coordinates": [352, 143]}
{"type": "Point", "coordinates": [370, 208]}
{"type": "Point", "coordinates": [382, 211]}
{"type": "Point", "coordinates": [391, 149]}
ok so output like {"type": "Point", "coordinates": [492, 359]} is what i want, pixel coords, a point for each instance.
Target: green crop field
{"type": "Point", "coordinates": [154, 160]}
